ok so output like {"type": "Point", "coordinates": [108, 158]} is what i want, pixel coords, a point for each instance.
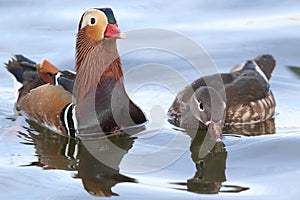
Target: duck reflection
{"type": "Point", "coordinates": [98, 176]}
{"type": "Point", "coordinates": [209, 157]}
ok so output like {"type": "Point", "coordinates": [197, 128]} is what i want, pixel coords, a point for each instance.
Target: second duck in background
{"type": "Point", "coordinates": [248, 100]}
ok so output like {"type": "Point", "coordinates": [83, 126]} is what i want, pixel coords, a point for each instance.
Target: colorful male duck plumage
{"type": "Point", "coordinates": [248, 98]}
{"type": "Point", "coordinates": [94, 100]}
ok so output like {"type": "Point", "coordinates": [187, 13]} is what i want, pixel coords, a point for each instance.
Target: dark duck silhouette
{"type": "Point", "coordinates": [91, 101]}
{"type": "Point", "coordinates": [248, 100]}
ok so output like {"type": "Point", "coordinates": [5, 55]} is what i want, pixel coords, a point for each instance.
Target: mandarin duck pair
{"type": "Point", "coordinates": [94, 100]}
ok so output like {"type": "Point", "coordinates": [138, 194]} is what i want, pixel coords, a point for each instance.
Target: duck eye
{"type": "Point", "coordinates": [93, 21]}
{"type": "Point", "coordinates": [201, 106]}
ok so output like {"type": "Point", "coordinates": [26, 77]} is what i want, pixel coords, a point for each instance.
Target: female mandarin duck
{"type": "Point", "coordinates": [98, 102]}
{"type": "Point", "coordinates": [248, 98]}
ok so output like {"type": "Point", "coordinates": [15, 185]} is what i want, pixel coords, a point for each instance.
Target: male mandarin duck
{"type": "Point", "coordinates": [98, 101]}
{"type": "Point", "coordinates": [249, 99]}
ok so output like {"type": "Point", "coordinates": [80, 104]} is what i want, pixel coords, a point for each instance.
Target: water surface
{"type": "Point", "coordinates": [159, 162]}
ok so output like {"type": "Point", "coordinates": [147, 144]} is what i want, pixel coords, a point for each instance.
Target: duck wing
{"type": "Point", "coordinates": [249, 99]}
{"type": "Point", "coordinates": [249, 86]}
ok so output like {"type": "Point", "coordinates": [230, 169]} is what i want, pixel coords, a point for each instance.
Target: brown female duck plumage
{"type": "Point", "coordinates": [248, 98]}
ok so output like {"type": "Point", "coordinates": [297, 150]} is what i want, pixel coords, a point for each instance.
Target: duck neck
{"type": "Point", "coordinates": [96, 62]}
{"type": "Point", "coordinates": [99, 83]}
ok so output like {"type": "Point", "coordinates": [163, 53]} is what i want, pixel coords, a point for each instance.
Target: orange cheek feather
{"type": "Point", "coordinates": [96, 32]}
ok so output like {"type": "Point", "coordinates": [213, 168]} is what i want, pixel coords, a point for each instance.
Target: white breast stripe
{"type": "Point", "coordinates": [74, 118]}
{"type": "Point", "coordinates": [66, 118]}
{"type": "Point", "coordinates": [257, 68]}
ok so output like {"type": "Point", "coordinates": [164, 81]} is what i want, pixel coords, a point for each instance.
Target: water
{"type": "Point", "coordinates": [159, 162]}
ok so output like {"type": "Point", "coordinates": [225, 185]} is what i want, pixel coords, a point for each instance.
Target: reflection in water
{"type": "Point", "coordinates": [59, 152]}
{"type": "Point", "coordinates": [98, 178]}
{"type": "Point", "coordinates": [210, 168]}
{"type": "Point", "coordinates": [209, 157]}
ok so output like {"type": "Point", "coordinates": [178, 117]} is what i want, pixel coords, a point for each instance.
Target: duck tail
{"type": "Point", "coordinates": [19, 65]}
{"type": "Point", "coordinates": [25, 73]}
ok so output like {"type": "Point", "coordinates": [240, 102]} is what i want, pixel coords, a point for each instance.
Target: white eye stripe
{"type": "Point", "coordinates": [92, 21]}
{"type": "Point", "coordinates": [89, 15]}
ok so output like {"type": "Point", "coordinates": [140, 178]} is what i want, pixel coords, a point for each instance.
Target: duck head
{"type": "Point", "coordinates": [208, 107]}
{"type": "Point", "coordinates": [96, 49]}
{"type": "Point", "coordinates": [99, 24]}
